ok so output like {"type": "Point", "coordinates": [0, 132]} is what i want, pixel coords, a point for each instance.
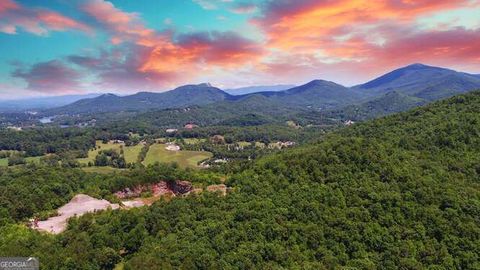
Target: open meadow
{"type": "Point", "coordinates": [158, 153]}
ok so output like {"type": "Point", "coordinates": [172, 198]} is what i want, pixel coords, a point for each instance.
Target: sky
{"type": "Point", "coordinates": [62, 47]}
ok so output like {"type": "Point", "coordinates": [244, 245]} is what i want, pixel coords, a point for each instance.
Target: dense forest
{"type": "Point", "coordinates": [400, 192]}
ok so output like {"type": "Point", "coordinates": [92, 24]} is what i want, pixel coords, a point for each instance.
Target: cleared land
{"type": "Point", "coordinates": [79, 205]}
{"type": "Point", "coordinates": [4, 161]}
{"type": "Point", "coordinates": [194, 140]}
{"type": "Point", "coordinates": [158, 153]}
{"type": "Point", "coordinates": [130, 152]}
{"type": "Point", "coordinates": [99, 147]}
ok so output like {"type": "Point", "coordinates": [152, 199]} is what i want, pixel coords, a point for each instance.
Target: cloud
{"type": "Point", "coordinates": [243, 8]}
{"type": "Point", "coordinates": [123, 26]}
{"type": "Point", "coordinates": [50, 77]}
{"type": "Point", "coordinates": [168, 63]}
{"type": "Point", "coordinates": [35, 20]}
{"type": "Point", "coordinates": [210, 4]}
{"type": "Point", "coordinates": [151, 59]}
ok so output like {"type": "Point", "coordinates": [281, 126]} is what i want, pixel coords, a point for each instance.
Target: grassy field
{"type": "Point", "coordinates": [184, 159]}
{"type": "Point", "coordinates": [33, 159]}
{"type": "Point", "coordinates": [194, 140]}
{"type": "Point", "coordinates": [103, 170]}
{"type": "Point", "coordinates": [3, 162]}
{"type": "Point", "coordinates": [131, 153]}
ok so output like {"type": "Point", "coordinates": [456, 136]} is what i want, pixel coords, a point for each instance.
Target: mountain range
{"type": "Point", "coordinates": [398, 90]}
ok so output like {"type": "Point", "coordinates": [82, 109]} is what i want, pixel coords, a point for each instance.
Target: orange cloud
{"type": "Point", "coordinates": [309, 25]}
{"type": "Point", "coordinates": [163, 57]}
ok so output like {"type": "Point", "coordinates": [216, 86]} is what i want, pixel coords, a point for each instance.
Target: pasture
{"type": "Point", "coordinates": [158, 153]}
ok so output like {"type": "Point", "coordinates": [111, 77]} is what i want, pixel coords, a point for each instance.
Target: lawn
{"type": "Point", "coordinates": [184, 159]}
{"type": "Point", "coordinates": [193, 140]}
{"type": "Point", "coordinates": [131, 153]}
{"type": "Point", "coordinates": [4, 161]}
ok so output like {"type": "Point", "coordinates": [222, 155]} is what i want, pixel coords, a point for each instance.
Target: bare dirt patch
{"type": "Point", "coordinates": [78, 205]}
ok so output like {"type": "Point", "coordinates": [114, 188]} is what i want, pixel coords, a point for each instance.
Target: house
{"type": "Point", "coordinates": [15, 128]}
{"type": "Point", "coordinates": [171, 130]}
{"type": "Point", "coordinates": [287, 144]}
{"type": "Point", "coordinates": [190, 126]}
{"type": "Point", "coordinates": [348, 123]}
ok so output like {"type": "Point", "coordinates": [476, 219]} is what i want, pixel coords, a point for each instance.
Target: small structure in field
{"type": "Point", "coordinates": [172, 147]}
{"type": "Point", "coordinates": [287, 144]}
{"type": "Point", "coordinates": [117, 141]}
{"type": "Point", "coordinates": [14, 128]}
{"type": "Point", "coordinates": [190, 126]}
{"type": "Point", "coordinates": [171, 130]}
{"type": "Point", "coordinates": [348, 123]}
{"type": "Point", "coordinates": [281, 145]}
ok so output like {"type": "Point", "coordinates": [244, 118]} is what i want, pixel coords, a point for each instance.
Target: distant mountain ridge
{"type": "Point", "coordinates": [42, 102]}
{"type": "Point", "coordinates": [423, 81]}
{"type": "Point", "coordinates": [411, 85]}
{"type": "Point", "coordinates": [182, 96]}
{"type": "Point", "coordinates": [256, 89]}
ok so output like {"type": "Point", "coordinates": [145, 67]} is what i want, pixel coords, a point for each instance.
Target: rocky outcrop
{"type": "Point", "coordinates": [180, 187]}
{"type": "Point", "coordinates": [161, 188]}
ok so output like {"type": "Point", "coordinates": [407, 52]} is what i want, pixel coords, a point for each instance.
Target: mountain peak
{"type": "Point", "coordinates": [417, 65]}
{"type": "Point", "coordinates": [205, 85]}
{"type": "Point", "coordinates": [107, 95]}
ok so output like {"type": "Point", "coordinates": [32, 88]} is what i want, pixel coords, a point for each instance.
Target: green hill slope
{"type": "Point", "coordinates": [389, 103]}
{"type": "Point", "coordinates": [401, 192]}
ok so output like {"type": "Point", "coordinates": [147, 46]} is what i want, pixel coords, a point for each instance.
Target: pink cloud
{"type": "Point", "coordinates": [124, 26]}
{"type": "Point", "coordinates": [34, 20]}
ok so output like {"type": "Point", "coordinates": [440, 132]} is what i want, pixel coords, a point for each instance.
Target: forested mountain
{"type": "Point", "coordinates": [391, 102]}
{"type": "Point", "coordinates": [318, 94]}
{"type": "Point", "coordinates": [180, 97]}
{"type": "Point", "coordinates": [400, 192]}
{"type": "Point", "coordinates": [416, 81]}
{"type": "Point", "coordinates": [422, 81]}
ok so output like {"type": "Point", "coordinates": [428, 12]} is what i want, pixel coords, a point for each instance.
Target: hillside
{"type": "Point", "coordinates": [391, 102]}
{"type": "Point", "coordinates": [179, 97]}
{"type": "Point", "coordinates": [317, 94]}
{"type": "Point", "coordinates": [399, 192]}
{"type": "Point", "coordinates": [422, 81]}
